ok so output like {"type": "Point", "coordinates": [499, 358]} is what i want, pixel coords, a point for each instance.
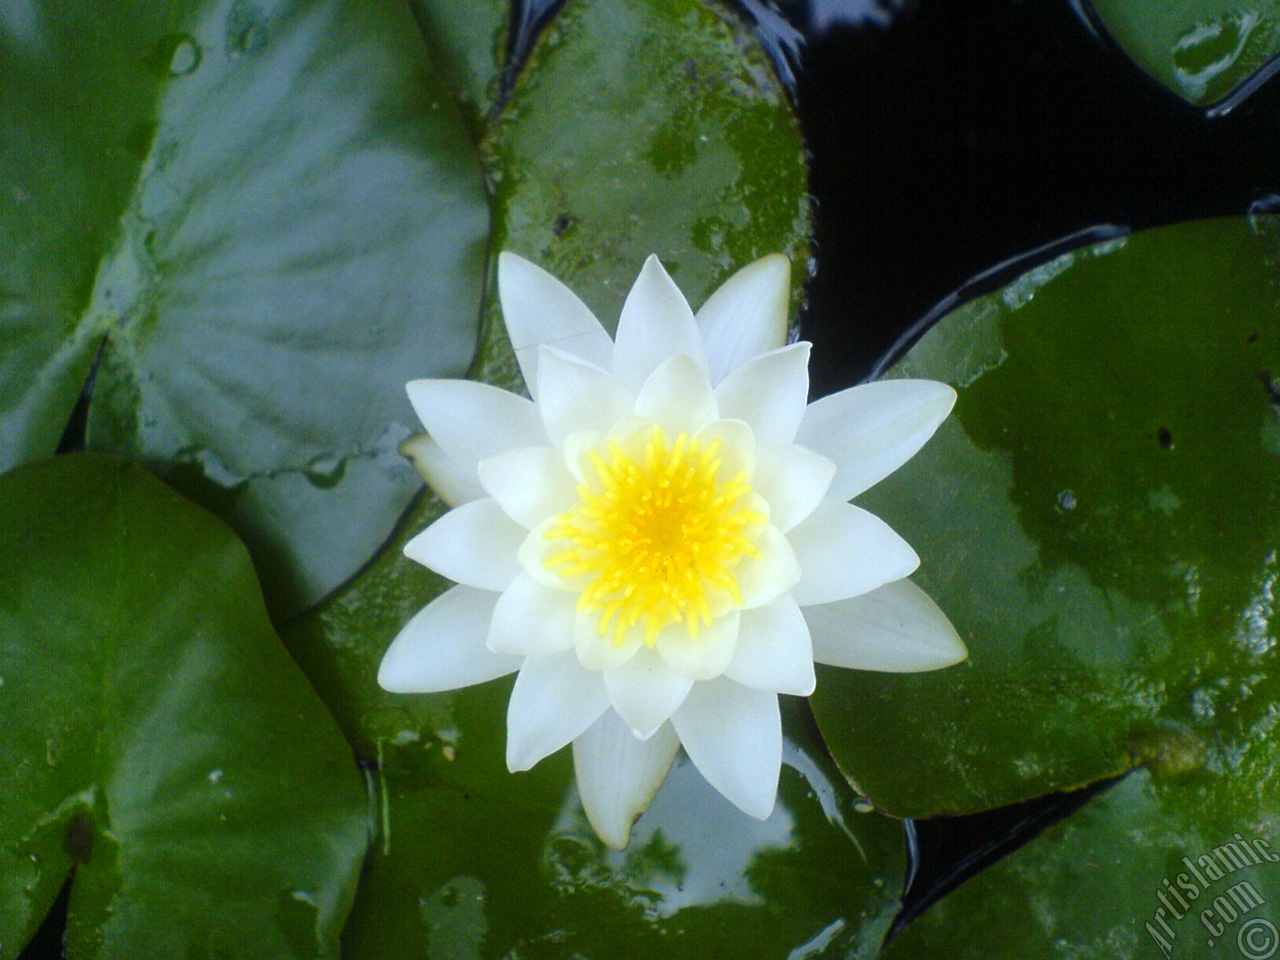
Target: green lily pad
{"type": "Point", "coordinates": [687, 149]}
{"type": "Point", "coordinates": [158, 742]}
{"type": "Point", "coordinates": [267, 215]}
{"type": "Point", "coordinates": [468, 44]}
{"type": "Point", "coordinates": [1209, 52]}
{"type": "Point", "coordinates": [1183, 867]}
{"type": "Point", "coordinates": [1100, 518]}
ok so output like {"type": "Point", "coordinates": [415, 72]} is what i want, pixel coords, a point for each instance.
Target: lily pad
{"type": "Point", "coordinates": [1212, 53]}
{"type": "Point", "coordinates": [1100, 518]}
{"type": "Point", "coordinates": [267, 216]}
{"type": "Point", "coordinates": [1183, 867]}
{"type": "Point", "coordinates": [645, 127]}
{"type": "Point", "coordinates": [159, 743]}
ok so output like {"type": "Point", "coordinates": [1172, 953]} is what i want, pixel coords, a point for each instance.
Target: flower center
{"type": "Point", "coordinates": [660, 539]}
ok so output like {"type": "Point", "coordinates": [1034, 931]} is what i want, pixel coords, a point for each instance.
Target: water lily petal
{"type": "Point", "coordinates": [792, 480]}
{"type": "Point", "coordinates": [845, 551]}
{"type": "Point", "coordinates": [531, 620]}
{"type": "Point", "coordinates": [873, 429]}
{"type": "Point", "coordinates": [895, 628]}
{"type": "Point", "coordinates": [656, 323]}
{"type": "Point", "coordinates": [706, 657]}
{"type": "Point", "coordinates": [618, 775]}
{"type": "Point", "coordinates": [529, 483]}
{"type": "Point", "coordinates": [553, 701]}
{"type": "Point", "coordinates": [442, 647]}
{"type": "Point", "coordinates": [777, 571]}
{"type": "Point", "coordinates": [536, 551]}
{"type": "Point", "coordinates": [575, 395]}
{"type": "Point", "coordinates": [677, 397]}
{"type": "Point", "coordinates": [472, 420]}
{"type": "Point", "coordinates": [540, 310]}
{"type": "Point", "coordinates": [454, 483]}
{"type": "Point", "coordinates": [769, 392]}
{"type": "Point", "coordinates": [747, 315]}
{"type": "Point", "coordinates": [733, 734]}
{"type": "Point", "coordinates": [737, 447]}
{"type": "Point", "coordinates": [774, 651]}
{"type": "Point", "coordinates": [596, 652]}
{"type": "Point", "coordinates": [645, 691]}
{"type": "Point", "coordinates": [474, 544]}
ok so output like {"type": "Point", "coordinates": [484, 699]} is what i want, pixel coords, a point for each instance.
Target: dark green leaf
{"type": "Point", "coordinates": [1093, 885]}
{"type": "Point", "coordinates": [1206, 51]}
{"type": "Point", "coordinates": [1099, 517]}
{"type": "Point", "coordinates": [269, 213]}
{"type": "Point", "coordinates": [157, 738]}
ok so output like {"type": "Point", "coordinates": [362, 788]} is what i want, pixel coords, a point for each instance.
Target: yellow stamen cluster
{"type": "Point", "coordinates": [659, 537]}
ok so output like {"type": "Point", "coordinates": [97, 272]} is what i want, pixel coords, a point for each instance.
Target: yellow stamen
{"type": "Point", "coordinates": [662, 532]}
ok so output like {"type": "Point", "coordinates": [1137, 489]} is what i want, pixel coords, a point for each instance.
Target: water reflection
{"type": "Point", "coordinates": [818, 16]}
{"type": "Point", "coordinates": [677, 856]}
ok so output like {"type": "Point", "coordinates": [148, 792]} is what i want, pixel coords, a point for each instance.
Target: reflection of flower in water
{"type": "Point", "coordinates": [661, 543]}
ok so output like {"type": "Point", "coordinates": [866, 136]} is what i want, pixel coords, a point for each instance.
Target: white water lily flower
{"type": "Point", "coordinates": [660, 541]}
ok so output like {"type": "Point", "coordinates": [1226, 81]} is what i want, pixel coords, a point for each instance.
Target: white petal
{"type": "Point", "coordinates": [792, 480]}
{"type": "Point", "coordinates": [678, 397]}
{"type": "Point", "coordinates": [656, 323]}
{"type": "Point", "coordinates": [618, 775]}
{"type": "Point", "coordinates": [534, 552]}
{"type": "Point", "coordinates": [894, 628]}
{"type": "Point", "coordinates": [774, 651]}
{"type": "Point", "coordinates": [777, 571]}
{"type": "Point", "coordinates": [474, 544]}
{"type": "Point", "coordinates": [737, 447]}
{"type": "Point", "coordinates": [453, 482]}
{"type": "Point", "coordinates": [529, 483]}
{"type": "Point", "coordinates": [769, 392]}
{"type": "Point", "coordinates": [578, 447]}
{"type": "Point", "coordinates": [575, 395]}
{"type": "Point", "coordinates": [845, 551]}
{"type": "Point", "coordinates": [531, 620]}
{"type": "Point", "coordinates": [472, 421]}
{"type": "Point", "coordinates": [596, 652]}
{"type": "Point", "coordinates": [645, 691]}
{"type": "Point", "coordinates": [553, 701]}
{"type": "Point", "coordinates": [706, 657]}
{"type": "Point", "coordinates": [540, 310]}
{"type": "Point", "coordinates": [733, 734]}
{"type": "Point", "coordinates": [873, 429]}
{"type": "Point", "coordinates": [442, 647]}
{"type": "Point", "coordinates": [747, 315]}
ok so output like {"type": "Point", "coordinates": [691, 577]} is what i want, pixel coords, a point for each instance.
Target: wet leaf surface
{"type": "Point", "coordinates": [1210, 52]}
{"type": "Point", "coordinates": [1183, 867]}
{"type": "Point", "coordinates": [268, 217]}
{"type": "Point", "coordinates": [1098, 518]}
{"type": "Point", "coordinates": [158, 739]}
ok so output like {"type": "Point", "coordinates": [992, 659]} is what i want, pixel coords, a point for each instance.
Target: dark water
{"type": "Point", "coordinates": [948, 137]}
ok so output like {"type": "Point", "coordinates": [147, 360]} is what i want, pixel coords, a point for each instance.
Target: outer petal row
{"type": "Point", "coordinates": [747, 315]}
{"type": "Point", "coordinates": [896, 629]}
{"type": "Point", "coordinates": [539, 310]}
{"type": "Point", "coordinates": [442, 647]}
{"type": "Point", "coordinates": [618, 775]}
{"type": "Point", "coordinates": [871, 430]}
{"type": "Point", "coordinates": [845, 551]}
